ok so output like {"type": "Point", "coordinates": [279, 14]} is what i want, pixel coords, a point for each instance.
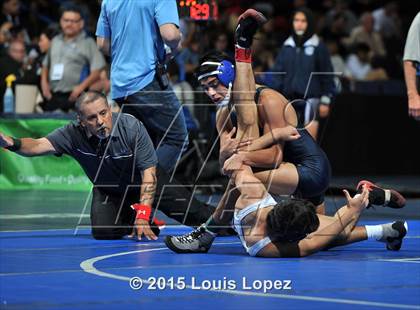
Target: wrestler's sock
{"type": "Point", "coordinates": [374, 232]}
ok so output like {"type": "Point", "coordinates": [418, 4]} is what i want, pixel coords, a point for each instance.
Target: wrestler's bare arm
{"type": "Point", "coordinates": [321, 238]}
{"type": "Point", "coordinates": [271, 113]}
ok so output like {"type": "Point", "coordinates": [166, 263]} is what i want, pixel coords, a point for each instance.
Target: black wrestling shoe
{"type": "Point", "coordinates": [382, 197]}
{"type": "Point", "coordinates": [197, 241]}
{"type": "Point", "coordinates": [248, 24]}
{"type": "Point", "coordinates": [393, 235]}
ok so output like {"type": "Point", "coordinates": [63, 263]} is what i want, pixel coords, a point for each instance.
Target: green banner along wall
{"type": "Point", "coordinates": [44, 172]}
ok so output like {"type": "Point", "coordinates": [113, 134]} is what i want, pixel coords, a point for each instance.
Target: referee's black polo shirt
{"type": "Point", "coordinates": [113, 163]}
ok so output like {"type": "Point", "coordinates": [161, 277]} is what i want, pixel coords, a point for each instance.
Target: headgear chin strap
{"type": "Point", "coordinates": [224, 71]}
{"type": "Point", "coordinates": [226, 100]}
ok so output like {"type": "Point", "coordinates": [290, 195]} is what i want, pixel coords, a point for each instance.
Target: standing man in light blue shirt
{"type": "Point", "coordinates": [133, 33]}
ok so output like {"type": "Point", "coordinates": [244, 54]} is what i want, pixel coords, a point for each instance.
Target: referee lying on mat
{"type": "Point", "coordinates": [117, 155]}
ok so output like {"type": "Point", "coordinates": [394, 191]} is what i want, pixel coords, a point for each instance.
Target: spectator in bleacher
{"type": "Point", "coordinates": [361, 66]}
{"type": "Point", "coordinates": [299, 4]}
{"type": "Point", "coordinates": [10, 12]}
{"type": "Point", "coordinates": [11, 63]}
{"type": "Point", "coordinates": [387, 21]}
{"type": "Point", "coordinates": [18, 33]}
{"type": "Point", "coordinates": [45, 38]}
{"type": "Point", "coordinates": [358, 63]}
{"type": "Point", "coordinates": [221, 42]}
{"type": "Point", "coordinates": [377, 72]}
{"type": "Point", "coordinates": [366, 34]}
{"type": "Point", "coordinates": [35, 62]}
{"type": "Point", "coordinates": [182, 89]}
{"type": "Point", "coordinates": [341, 9]}
{"type": "Point", "coordinates": [5, 37]}
{"type": "Point", "coordinates": [337, 61]}
{"type": "Point", "coordinates": [336, 31]}
{"type": "Point", "coordinates": [41, 15]}
{"type": "Point", "coordinates": [73, 63]}
{"type": "Point", "coordinates": [81, 5]}
{"type": "Point", "coordinates": [388, 24]}
{"type": "Point", "coordinates": [272, 36]}
{"type": "Point", "coordinates": [185, 94]}
{"type": "Point", "coordinates": [86, 11]}
{"type": "Point", "coordinates": [412, 68]}
{"type": "Point", "coordinates": [263, 59]}
{"type": "Point", "coordinates": [189, 56]}
{"type": "Point", "coordinates": [302, 54]}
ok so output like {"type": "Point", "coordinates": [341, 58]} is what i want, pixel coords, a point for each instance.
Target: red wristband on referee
{"type": "Point", "coordinates": [142, 211]}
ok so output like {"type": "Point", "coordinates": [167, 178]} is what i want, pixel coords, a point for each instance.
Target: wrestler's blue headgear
{"type": "Point", "coordinates": [224, 71]}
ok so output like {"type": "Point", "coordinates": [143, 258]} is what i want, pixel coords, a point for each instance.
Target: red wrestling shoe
{"type": "Point", "coordinates": [382, 197]}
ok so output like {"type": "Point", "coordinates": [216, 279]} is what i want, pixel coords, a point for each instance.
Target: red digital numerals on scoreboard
{"type": "Point", "coordinates": [199, 10]}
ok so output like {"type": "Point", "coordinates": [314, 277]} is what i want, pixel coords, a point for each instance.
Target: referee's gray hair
{"type": "Point", "coordinates": [88, 97]}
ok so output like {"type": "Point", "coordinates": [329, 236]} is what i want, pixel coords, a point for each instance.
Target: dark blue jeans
{"type": "Point", "coordinates": [161, 114]}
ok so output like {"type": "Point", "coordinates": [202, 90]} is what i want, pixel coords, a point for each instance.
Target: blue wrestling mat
{"type": "Point", "coordinates": [68, 269]}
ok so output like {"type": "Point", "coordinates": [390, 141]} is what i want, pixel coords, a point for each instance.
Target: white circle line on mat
{"type": "Point", "coordinates": [88, 266]}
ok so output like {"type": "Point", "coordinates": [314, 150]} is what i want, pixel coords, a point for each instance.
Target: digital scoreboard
{"type": "Point", "coordinates": [199, 10]}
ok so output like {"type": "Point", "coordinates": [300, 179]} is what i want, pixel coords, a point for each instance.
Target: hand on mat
{"type": "Point", "coordinates": [230, 146]}
{"type": "Point", "coordinates": [358, 202]}
{"type": "Point", "coordinates": [233, 164]}
{"type": "Point", "coordinates": [5, 140]}
{"type": "Point", "coordinates": [142, 227]}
